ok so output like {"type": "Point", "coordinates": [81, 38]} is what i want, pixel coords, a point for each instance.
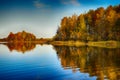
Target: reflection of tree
{"type": "Point", "coordinates": [100, 62]}
{"type": "Point", "coordinates": [21, 46]}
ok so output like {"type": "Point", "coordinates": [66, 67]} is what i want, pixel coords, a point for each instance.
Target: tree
{"type": "Point", "coordinates": [21, 36]}
{"type": "Point", "coordinates": [95, 25]}
{"type": "Point", "coordinates": [82, 29]}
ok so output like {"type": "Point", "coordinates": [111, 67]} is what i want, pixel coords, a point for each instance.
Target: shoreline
{"type": "Point", "coordinates": [104, 44]}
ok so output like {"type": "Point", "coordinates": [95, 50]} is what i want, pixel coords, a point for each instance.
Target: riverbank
{"type": "Point", "coordinates": [68, 43]}
{"type": "Point", "coordinates": [104, 44]}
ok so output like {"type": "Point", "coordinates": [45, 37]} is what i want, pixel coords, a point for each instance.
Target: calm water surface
{"type": "Point", "coordinates": [36, 62]}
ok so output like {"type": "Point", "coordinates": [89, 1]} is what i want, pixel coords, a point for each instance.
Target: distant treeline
{"type": "Point", "coordinates": [95, 25]}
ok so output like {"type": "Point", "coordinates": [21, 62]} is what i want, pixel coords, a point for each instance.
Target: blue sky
{"type": "Point", "coordinates": [42, 17]}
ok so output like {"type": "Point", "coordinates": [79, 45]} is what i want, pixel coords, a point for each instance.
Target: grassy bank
{"type": "Point", "coordinates": [68, 43]}
{"type": "Point", "coordinates": [105, 44]}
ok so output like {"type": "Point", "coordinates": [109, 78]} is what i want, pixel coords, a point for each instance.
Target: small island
{"type": "Point", "coordinates": [23, 37]}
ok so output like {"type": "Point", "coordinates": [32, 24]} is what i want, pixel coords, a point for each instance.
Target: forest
{"type": "Point", "coordinates": [95, 25]}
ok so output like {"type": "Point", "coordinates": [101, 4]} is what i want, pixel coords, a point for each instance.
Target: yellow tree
{"type": "Point", "coordinates": [81, 26]}
{"type": "Point", "coordinates": [110, 19]}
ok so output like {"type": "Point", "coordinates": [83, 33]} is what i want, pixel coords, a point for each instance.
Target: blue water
{"type": "Point", "coordinates": [42, 63]}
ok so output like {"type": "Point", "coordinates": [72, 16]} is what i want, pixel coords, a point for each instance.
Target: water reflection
{"type": "Point", "coordinates": [100, 62]}
{"type": "Point", "coordinates": [20, 47]}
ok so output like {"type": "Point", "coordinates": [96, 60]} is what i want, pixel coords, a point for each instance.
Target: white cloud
{"type": "Point", "coordinates": [39, 4]}
{"type": "Point", "coordinates": [71, 2]}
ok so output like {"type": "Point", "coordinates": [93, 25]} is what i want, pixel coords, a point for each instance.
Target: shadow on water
{"type": "Point", "coordinates": [21, 46]}
{"type": "Point", "coordinates": [101, 62]}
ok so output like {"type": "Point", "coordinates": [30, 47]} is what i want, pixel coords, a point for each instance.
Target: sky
{"type": "Point", "coordinates": [42, 17]}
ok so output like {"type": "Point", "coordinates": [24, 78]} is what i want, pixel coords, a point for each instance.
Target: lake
{"type": "Point", "coordinates": [47, 62]}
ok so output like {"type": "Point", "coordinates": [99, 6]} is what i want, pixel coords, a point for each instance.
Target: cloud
{"type": "Point", "coordinates": [39, 4]}
{"type": "Point", "coordinates": [71, 2]}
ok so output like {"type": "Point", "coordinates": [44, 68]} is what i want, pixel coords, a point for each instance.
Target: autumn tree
{"type": "Point", "coordinates": [21, 36]}
{"type": "Point", "coordinates": [96, 25]}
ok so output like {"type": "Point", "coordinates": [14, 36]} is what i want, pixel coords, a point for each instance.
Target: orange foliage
{"type": "Point", "coordinates": [20, 36]}
{"type": "Point", "coordinates": [95, 25]}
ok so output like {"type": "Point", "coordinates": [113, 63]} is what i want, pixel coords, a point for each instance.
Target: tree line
{"type": "Point", "coordinates": [95, 25]}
